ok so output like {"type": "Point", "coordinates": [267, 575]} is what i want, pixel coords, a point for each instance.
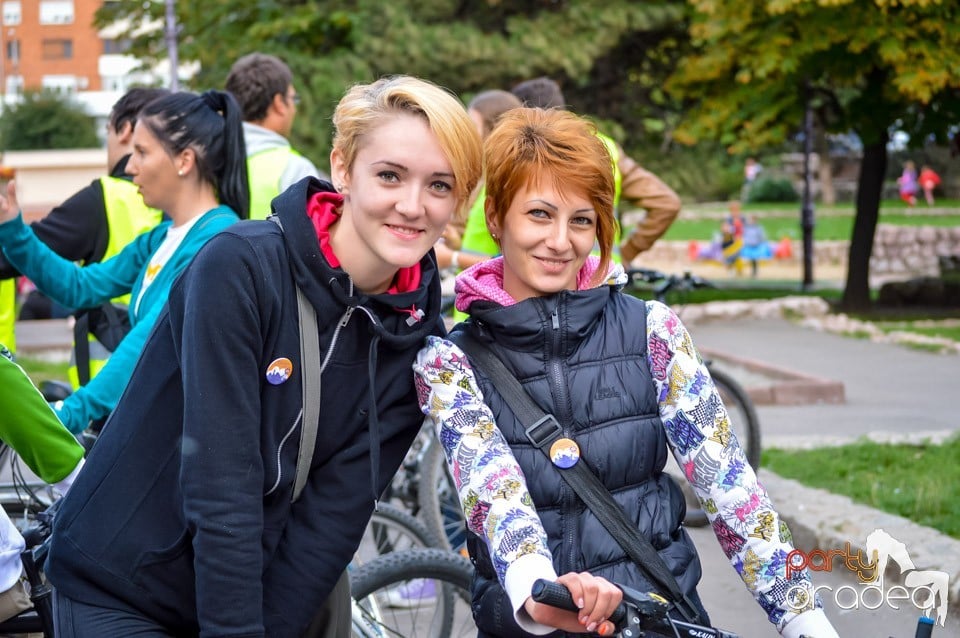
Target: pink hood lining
{"type": "Point", "coordinates": [484, 282]}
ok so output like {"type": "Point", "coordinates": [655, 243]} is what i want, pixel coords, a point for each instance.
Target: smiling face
{"type": "Point", "coordinates": [399, 195]}
{"type": "Point", "coordinates": [153, 169]}
{"type": "Point", "coordinates": [545, 237]}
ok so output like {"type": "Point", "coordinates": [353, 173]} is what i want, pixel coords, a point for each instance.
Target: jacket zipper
{"type": "Point", "coordinates": [559, 390]}
{"type": "Point", "coordinates": [344, 320]}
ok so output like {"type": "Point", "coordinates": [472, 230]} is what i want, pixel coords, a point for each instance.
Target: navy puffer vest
{"type": "Point", "coordinates": [582, 357]}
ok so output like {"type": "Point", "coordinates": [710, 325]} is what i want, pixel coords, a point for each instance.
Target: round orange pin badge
{"type": "Point", "coordinates": [279, 370]}
{"type": "Point", "coordinates": [564, 453]}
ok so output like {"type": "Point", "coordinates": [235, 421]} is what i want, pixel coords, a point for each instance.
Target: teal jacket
{"type": "Point", "coordinates": [88, 286]}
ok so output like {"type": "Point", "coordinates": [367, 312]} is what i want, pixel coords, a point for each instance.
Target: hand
{"type": "Point", "coordinates": [596, 597]}
{"type": "Point", "coordinates": [9, 206]}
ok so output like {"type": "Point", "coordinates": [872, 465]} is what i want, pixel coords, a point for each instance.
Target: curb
{"type": "Point", "coordinates": [826, 521]}
{"type": "Point", "coordinates": [788, 387]}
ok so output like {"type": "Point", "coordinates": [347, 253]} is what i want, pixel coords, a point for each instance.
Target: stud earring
{"type": "Point", "coordinates": [180, 172]}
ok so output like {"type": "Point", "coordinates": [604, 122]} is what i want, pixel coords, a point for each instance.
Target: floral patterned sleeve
{"type": "Point", "coordinates": [490, 483]}
{"type": "Point", "coordinates": [744, 520]}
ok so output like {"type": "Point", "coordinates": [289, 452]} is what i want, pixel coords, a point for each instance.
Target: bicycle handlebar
{"type": "Point", "coordinates": [664, 282]}
{"type": "Point", "coordinates": [639, 611]}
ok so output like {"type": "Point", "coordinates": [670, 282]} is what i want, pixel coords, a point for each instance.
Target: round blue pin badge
{"type": "Point", "coordinates": [279, 371]}
{"type": "Point", "coordinates": [564, 453]}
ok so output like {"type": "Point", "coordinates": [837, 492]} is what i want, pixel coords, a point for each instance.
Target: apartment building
{"type": "Point", "coordinates": [52, 44]}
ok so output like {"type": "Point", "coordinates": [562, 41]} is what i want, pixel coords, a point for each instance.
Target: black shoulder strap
{"type": "Point", "coordinates": [542, 430]}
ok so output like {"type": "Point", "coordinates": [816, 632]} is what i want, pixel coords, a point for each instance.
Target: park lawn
{"type": "Point", "coordinates": [834, 227]}
{"type": "Point", "coordinates": [40, 370]}
{"type": "Point", "coordinates": [918, 482]}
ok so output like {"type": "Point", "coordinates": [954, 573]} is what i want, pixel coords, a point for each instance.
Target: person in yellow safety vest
{"type": "Point", "coordinates": [463, 247]}
{"type": "Point", "coordinates": [636, 186]}
{"type": "Point", "coordinates": [99, 220]}
{"type": "Point", "coordinates": [8, 313]}
{"type": "Point", "coordinates": [263, 86]}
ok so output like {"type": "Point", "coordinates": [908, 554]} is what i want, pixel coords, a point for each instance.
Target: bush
{"type": "Point", "coordinates": [772, 189]}
{"type": "Point", "coordinates": [46, 120]}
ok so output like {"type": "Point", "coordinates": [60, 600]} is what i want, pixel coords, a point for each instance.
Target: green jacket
{"type": "Point", "coordinates": [30, 427]}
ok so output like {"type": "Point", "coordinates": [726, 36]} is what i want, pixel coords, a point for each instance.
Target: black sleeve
{"type": "Point", "coordinates": [76, 230]}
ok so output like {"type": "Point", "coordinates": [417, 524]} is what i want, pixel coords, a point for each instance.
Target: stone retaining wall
{"type": "Point", "coordinates": [898, 251]}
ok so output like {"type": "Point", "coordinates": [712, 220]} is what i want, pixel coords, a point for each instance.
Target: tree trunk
{"type": "Point", "coordinates": [856, 295]}
{"type": "Point", "coordinates": [828, 196]}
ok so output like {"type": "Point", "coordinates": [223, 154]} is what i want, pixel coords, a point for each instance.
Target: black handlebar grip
{"type": "Point", "coordinates": [557, 595]}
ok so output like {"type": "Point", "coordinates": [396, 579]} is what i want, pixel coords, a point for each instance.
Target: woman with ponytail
{"type": "Point", "coordinates": [189, 161]}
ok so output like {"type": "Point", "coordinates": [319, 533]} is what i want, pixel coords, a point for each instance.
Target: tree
{"type": "Point", "coordinates": [874, 65]}
{"type": "Point", "coordinates": [464, 45]}
{"type": "Point", "coordinates": [46, 120]}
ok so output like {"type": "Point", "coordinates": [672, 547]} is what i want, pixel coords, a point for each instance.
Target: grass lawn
{"type": "Point", "coordinates": [918, 482]}
{"type": "Point", "coordinates": [832, 227]}
{"type": "Point", "coordinates": [39, 370]}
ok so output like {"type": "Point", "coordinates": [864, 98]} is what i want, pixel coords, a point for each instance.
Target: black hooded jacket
{"type": "Point", "coordinates": [183, 510]}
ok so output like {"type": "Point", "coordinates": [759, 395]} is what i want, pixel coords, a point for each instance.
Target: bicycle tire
{"type": "Point", "coordinates": [743, 414]}
{"type": "Point", "coordinates": [391, 529]}
{"type": "Point", "coordinates": [447, 613]}
{"type": "Point", "coordinates": [439, 501]}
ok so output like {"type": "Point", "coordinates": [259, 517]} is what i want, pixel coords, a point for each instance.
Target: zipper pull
{"type": "Point", "coordinates": [346, 316]}
{"type": "Point", "coordinates": [555, 318]}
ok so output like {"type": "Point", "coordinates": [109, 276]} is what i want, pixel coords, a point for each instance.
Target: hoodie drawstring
{"type": "Point", "coordinates": [374, 422]}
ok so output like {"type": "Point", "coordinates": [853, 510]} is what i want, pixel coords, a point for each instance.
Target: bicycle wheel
{"type": "Point", "coordinates": [391, 529]}
{"type": "Point", "coordinates": [419, 592]}
{"type": "Point", "coordinates": [743, 416]}
{"type": "Point", "coordinates": [439, 501]}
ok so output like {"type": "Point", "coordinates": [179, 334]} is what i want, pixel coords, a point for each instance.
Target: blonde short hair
{"type": "Point", "coordinates": [364, 106]}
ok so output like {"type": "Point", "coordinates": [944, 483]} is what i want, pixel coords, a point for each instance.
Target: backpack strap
{"type": "Point", "coordinates": [309, 380]}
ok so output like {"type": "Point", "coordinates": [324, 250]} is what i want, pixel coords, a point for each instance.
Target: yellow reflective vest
{"type": "Point", "coordinates": [8, 313]}
{"type": "Point", "coordinates": [127, 217]}
{"type": "Point", "coordinates": [265, 169]}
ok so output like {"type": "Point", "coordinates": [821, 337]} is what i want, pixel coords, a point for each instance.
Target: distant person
{"type": "Point", "coordinates": [751, 171]}
{"type": "Point", "coordinates": [730, 246]}
{"type": "Point", "coordinates": [263, 86]}
{"type": "Point", "coordinates": [755, 244]}
{"type": "Point", "coordinates": [93, 224]}
{"type": "Point", "coordinates": [907, 183]}
{"type": "Point", "coordinates": [476, 244]}
{"type": "Point", "coordinates": [735, 217]}
{"type": "Point", "coordinates": [633, 184]}
{"type": "Point", "coordinates": [929, 180]}
{"type": "Point", "coordinates": [188, 160]}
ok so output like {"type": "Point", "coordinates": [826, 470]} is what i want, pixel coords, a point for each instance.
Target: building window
{"type": "Point", "coordinates": [11, 12]}
{"type": "Point", "coordinates": [58, 49]}
{"type": "Point", "coordinates": [13, 51]}
{"type": "Point", "coordinates": [14, 84]}
{"type": "Point", "coordinates": [59, 83]}
{"type": "Point", "coordinates": [56, 11]}
{"type": "Point", "coordinates": [116, 46]}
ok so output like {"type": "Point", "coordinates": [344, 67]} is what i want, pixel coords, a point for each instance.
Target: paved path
{"type": "Point", "coordinates": [889, 388]}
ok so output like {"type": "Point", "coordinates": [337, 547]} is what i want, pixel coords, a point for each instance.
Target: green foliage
{"type": "Point", "coordinates": [768, 188]}
{"type": "Point", "coordinates": [918, 482]}
{"type": "Point", "coordinates": [612, 55]}
{"type": "Point", "coordinates": [46, 120]}
{"type": "Point", "coordinates": [698, 174]}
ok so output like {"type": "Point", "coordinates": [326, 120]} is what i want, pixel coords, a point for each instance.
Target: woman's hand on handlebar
{"type": "Point", "coordinates": [596, 597]}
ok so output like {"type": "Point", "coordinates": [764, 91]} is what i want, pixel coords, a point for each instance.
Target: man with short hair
{"type": "Point", "coordinates": [263, 86]}
{"type": "Point", "coordinates": [633, 183]}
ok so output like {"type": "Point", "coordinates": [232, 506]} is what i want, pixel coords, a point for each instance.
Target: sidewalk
{"type": "Point", "coordinates": [892, 393]}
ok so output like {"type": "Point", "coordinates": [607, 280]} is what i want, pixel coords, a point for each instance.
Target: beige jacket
{"type": "Point", "coordinates": [643, 189]}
